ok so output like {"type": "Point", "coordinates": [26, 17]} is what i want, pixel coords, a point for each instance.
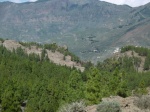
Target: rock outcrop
{"type": "Point", "coordinates": [55, 57]}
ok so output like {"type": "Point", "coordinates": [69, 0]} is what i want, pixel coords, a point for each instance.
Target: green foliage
{"type": "Point", "coordinates": [2, 40]}
{"type": "Point", "coordinates": [147, 62]}
{"type": "Point", "coordinates": [129, 67]}
{"type": "Point", "coordinates": [93, 91]}
{"type": "Point", "coordinates": [103, 84]}
{"type": "Point", "coordinates": [142, 52]}
{"type": "Point", "coordinates": [88, 65]}
{"type": "Point", "coordinates": [11, 100]}
{"type": "Point", "coordinates": [73, 107]}
{"type": "Point", "coordinates": [108, 107]}
{"type": "Point", "coordinates": [123, 90]}
{"type": "Point", "coordinates": [141, 90]}
{"type": "Point", "coordinates": [41, 83]}
{"type": "Point", "coordinates": [44, 55]}
{"type": "Point", "coordinates": [127, 48]}
{"type": "Point", "coordinates": [29, 44]}
{"type": "Point", "coordinates": [53, 47]}
{"type": "Point", "coordinates": [75, 86]}
{"type": "Point", "coordinates": [46, 86]}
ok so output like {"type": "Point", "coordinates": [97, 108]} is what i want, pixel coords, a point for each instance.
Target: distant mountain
{"type": "Point", "coordinates": [91, 29]}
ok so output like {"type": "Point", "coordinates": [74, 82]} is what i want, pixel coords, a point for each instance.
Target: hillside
{"type": "Point", "coordinates": [136, 57]}
{"type": "Point", "coordinates": [91, 29]}
{"type": "Point", "coordinates": [53, 55]}
{"type": "Point", "coordinates": [31, 82]}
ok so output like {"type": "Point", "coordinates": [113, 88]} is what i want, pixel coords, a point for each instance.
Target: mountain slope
{"type": "Point", "coordinates": [54, 56]}
{"type": "Point", "coordinates": [138, 33]}
{"type": "Point", "coordinates": [90, 28]}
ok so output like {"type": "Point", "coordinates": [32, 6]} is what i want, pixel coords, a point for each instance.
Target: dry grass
{"type": "Point", "coordinates": [73, 107]}
{"type": "Point", "coordinates": [108, 107]}
{"type": "Point", "coordinates": [143, 102]}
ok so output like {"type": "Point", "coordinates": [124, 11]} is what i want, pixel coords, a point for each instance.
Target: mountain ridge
{"type": "Point", "coordinates": [90, 29]}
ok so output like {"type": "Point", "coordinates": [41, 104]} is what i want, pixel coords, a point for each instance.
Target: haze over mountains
{"type": "Point", "coordinates": [92, 29]}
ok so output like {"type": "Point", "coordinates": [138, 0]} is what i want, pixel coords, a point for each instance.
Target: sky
{"type": "Point", "coordinates": [19, 1]}
{"type": "Point", "coordinates": [133, 3]}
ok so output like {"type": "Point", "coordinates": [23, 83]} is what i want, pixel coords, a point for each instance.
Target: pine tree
{"type": "Point", "coordinates": [93, 92]}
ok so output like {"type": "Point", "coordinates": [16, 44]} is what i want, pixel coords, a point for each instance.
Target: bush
{"type": "Point", "coordinates": [108, 107]}
{"type": "Point", "coordinates": [143, 102]}
{"type": "Point", "coordinates": [73, 107]}
{"type": "Point", "coordinates": [2, 40]}
{"type": "Point", "coordinates": [141, 90]}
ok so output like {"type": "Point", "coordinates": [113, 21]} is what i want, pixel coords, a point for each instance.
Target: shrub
{"type": "Point", "coordinates": [2, 40]}
{"type": "Point", "coordinates": [108, 107]}
{"type": "Point", "coordinates": [143, 102]}
{"type": "Point", "coordinates": [141, 90]}
{"type": "Point", "coordinates": [73, 107]}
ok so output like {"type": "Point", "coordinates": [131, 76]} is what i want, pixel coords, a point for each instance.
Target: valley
{"type": "Point", "coordinates": [90, 29]}
{"type": "Point", "coordinates": [74, 56]}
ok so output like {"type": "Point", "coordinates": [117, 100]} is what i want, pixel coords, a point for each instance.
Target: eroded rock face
{"type": "Point", "coordinates": [58, 58]}
{"type": "Point", "coordinates": [11, 44]}
{"type": "Point", "coordinates": [55, 57]}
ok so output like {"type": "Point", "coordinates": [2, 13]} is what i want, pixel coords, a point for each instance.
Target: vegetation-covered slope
{"type": "Point", "coordinates": [32, 83]}
{"type": "Point", "coordinates": [55, 53]}
{"type": "Point", "coordinates": [37, 82]}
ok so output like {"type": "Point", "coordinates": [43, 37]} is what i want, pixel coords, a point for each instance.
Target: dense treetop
{"type": "Point", "coordinates": [42, 86]}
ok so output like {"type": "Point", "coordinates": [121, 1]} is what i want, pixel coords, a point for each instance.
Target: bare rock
{"type": "Point", "coordinates": [55, 57]}
{"type": "Point", "coordinates": [65, 47]}
{"type": "Point", "coordinates": [11, 44]}
{"type": "Point", "coordinates": [91, 108]}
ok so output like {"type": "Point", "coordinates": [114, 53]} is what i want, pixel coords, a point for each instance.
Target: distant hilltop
{"type": "Point", "coordinates": [56, 55]}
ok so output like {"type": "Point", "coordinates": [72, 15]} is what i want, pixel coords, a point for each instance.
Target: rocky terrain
{"type": "Point", "coordinates": [127, 104]}
{"type": "Point", "coordinates": [55, 57]}
{"type": "Point", "coordinates": [91, 29]}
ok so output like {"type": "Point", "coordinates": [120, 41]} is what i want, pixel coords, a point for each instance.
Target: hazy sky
{"type": "Point", "coordinates": [19, 1]}
{"type": "Point", "coordinates": [132, 3]}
